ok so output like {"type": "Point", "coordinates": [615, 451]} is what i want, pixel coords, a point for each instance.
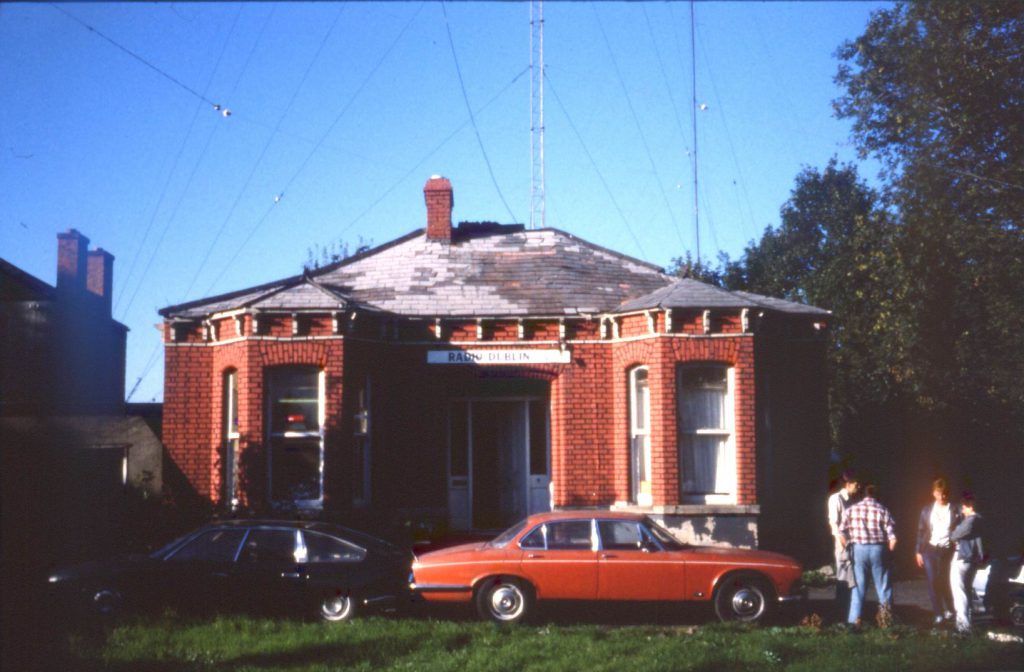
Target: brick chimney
{"type": "Point", "coordinates": [437, 192]}
{"type": "Point", "coordinates": [100, 276]}
{"type": "Point", "coordinates": [71, 260]}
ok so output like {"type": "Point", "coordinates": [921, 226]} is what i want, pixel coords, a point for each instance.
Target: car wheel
{"type": "Point", "coordinates": [742, 598]}
{"type": "Point", "coordinates": [504, 601]}
{"type": "Point", "coordinates": [106, 602]}
{"type": "Point", "coordinates": [337, 606]}
{"type": "Point", "coordinates": [1017, 616]}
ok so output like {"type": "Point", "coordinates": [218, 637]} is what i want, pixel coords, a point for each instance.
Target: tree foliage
{"type": "Point", "coordinates": [833, 248]}
{"type": "Point", "coordinates": [935, 91]}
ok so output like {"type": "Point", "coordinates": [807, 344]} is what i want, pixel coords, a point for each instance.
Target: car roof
{"type": "Point", "coordinates": [584, 513]}
{"type": "Point", "coordinates": [347, 533]}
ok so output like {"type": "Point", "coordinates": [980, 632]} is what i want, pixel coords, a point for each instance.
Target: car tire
{"type": "Point", "coordinates": [1017, 616]}
{"type": "Point", "coordinates": [337, 606]}
{"type": "Point", "coordinates": [743, 597]}
{"type": "Point", "coordinates": [504, 601]}
{"type": "Point", "coordinates": [106, 603]}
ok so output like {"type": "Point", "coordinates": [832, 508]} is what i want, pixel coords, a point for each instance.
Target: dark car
{"type": "Point", "coordinates": [304, 567]}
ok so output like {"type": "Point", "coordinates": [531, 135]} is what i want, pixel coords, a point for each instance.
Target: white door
{"type": "Point", "coordinates": [498, 461]}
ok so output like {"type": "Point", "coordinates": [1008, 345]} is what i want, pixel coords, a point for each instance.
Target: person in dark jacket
{"type": "Point", "coordinates": [968, 557]}
{"type": "Point", "coordinates": [934, 550]}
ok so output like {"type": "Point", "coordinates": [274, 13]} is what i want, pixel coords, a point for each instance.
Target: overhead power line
{"type": "Point", "coordinates": [216, 106]}
{"type": "Point", "coordinates": [280, 194]}
{"type": "Point", "coordinates": [263, 152]}
{"type": "Point", "coordinates": [170, 175]}
{"type": "Point", "coordinates": [593, 163]}
{"type": "Point", "coordinates": [472, 117]}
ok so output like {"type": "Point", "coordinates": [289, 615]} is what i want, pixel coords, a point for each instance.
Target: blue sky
{"type": "Point", "coordinates": [344, 110]}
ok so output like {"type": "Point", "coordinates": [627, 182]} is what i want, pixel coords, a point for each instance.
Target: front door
{"type": "Point", "coordinates": [498, 461]}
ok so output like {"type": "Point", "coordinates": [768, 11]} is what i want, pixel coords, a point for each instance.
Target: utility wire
{"type": "Point", "coordinates": [366, 80]}
{"type": "Point", "coordinates": [472, 117]}
{"type": "Point", "coordinates": [664, 79]}
{"type": "Point", "coordinates": [639, 128]}
{"type": "Point", "coordinates": [352, 99]}
{"type": "Point", "coordinates": [209, 139]}
{"type": "Point", "coordinates": [140, 59]}
{"type": "Point", "coordinates": [435, 150]}
{"type": "Point", "coordinates": [597, 170]}
{"type": "Point", "coordinates": [263, 152]}
{"type": "Point", "coordinates": [167, 182]}
{"type": "Point", "coordinates": [720, 109]}
{"type": "Point", "coordinates": [384, 195]}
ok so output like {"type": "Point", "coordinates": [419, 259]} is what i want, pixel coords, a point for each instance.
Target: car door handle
{"type": "Point", "coordinates": [534, 556]}
{"type": "Point", "coordinates": [291, 575]}
{"type": "Point", "coordinates": [605, 556]}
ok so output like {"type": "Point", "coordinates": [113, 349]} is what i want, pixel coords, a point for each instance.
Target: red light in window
{"type": "Point", "coordinates": [296, 418]}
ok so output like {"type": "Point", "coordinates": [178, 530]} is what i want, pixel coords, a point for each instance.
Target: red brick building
{"type": "Point", "coordinates": [477, 373]}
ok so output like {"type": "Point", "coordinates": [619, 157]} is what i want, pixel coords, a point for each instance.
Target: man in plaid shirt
{"type": "Point", "coordinates": [870, 528]}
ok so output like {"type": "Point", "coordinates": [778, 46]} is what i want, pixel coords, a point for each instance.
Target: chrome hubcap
{"type": "Point", "coordinates": [506, 602]}
{"type": "Point", "coordinates": [335, 607]}
{"type": "Point", "coordinates": [747, 603]}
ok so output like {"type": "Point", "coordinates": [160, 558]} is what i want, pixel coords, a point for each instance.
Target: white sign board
{"type": "Point", "coordinates": [500, 357]}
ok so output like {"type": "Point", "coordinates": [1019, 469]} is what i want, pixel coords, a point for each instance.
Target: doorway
{"type": "Point", "coordinates": [498, 461]}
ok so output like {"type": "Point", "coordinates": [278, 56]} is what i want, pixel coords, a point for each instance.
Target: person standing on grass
{"type": "Point", "coordinates": [934, 551]}
{"type": "Point", "coordinates": [870, 528]}
{"type": "Point", "coordinates": [969, 556]}
{"type": "Point", "coordinates": [838, 502]}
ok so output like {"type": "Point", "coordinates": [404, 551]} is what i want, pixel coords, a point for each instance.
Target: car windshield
{"type": "Point", "coordinates": [663, 535]}
{"type": "Point", "coordinates": [508, 535]}
{"type": "Point", "coordinates": [167, 548]}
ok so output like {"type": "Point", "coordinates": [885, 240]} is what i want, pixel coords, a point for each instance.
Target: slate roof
{"type": "Point", "coordinates": [690, 293]}
{"type": "Point", "coordinates": [18, 285]}
{"type": "Point", "coordinates": [486, 270]}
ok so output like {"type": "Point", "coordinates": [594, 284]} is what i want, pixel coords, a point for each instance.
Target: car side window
{"type": "Point", "coordinates": [322, 548]}
{"type": "Point", "coordinates": [211, 546]}
{"type": "Point", "coordinates": [264, 546]}
{"type": "Point", "coordinates": [569, 535]}
{"type": "Point", "coordinates": [535, 539]}
{"type": "Point", "coordinates": [622, 535]}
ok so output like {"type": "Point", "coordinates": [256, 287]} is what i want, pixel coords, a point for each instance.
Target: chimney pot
{"type": "Point", "coordinates": [437, 193]}
{"type": "Point", "coordinates": [72, 247]}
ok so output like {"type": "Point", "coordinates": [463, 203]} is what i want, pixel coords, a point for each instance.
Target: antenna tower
{"type": "Point", "coordinates": [694, 109]}
{"type": "Point", "coordinates": [537, 215]}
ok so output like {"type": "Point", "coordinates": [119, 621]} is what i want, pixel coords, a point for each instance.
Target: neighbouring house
{"type": "Point", "coordinates": [78, 475]}
{"type": "Point", "coordinates": [478, 373]}
{"type": "Point", "coordinates": [61, 351]}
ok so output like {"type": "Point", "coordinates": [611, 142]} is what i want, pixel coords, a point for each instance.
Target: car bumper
{"type": "Point", "coordinates": [796, 594]}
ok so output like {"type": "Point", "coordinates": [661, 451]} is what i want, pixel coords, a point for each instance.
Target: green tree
{"type": "Point", "coordinates": [935, 91]}
{"type": "Point", "coordinates": [833, 248]}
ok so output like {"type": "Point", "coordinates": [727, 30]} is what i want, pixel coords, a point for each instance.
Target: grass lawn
{"type": "Point", "coordinates": [237, 643]}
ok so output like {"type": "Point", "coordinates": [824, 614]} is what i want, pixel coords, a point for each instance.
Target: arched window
{"type": "Point", "coordinates": [639, 437]}
{"type": "Point", "coordinates": [230, 438]}
{"type": "Point", "coordinates": [707, 445]}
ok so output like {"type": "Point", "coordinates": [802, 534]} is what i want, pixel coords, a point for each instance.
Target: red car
{"type": "Point", "coordinates": [601, 555]}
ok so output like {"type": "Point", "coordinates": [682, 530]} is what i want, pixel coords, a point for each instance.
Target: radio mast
{"type": "Point", "coordinates": [537, 215]}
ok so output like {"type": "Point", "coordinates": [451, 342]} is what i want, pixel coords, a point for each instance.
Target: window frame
{"type": "Point", "coordinates": [642, 432]}
{"type": "Point", "coordinates": [230, 437]}
{"type": "Point", "coordinates": [321, 377]}
{"type": "Point", "coordinates": [727, 472]}
{"type": "Point", "coordinates": [362, 433]}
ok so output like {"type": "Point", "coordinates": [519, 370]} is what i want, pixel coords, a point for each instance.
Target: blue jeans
{"type": "Point", "coordinates": [936, 568]}
{"type": "Point", "coordinates": [873, 558]}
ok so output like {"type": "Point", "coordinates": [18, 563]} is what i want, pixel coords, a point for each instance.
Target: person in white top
{"type": "Point", "coordinates": [934, 550]}
{"type": "Point", "coordinates": [838, 502]}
